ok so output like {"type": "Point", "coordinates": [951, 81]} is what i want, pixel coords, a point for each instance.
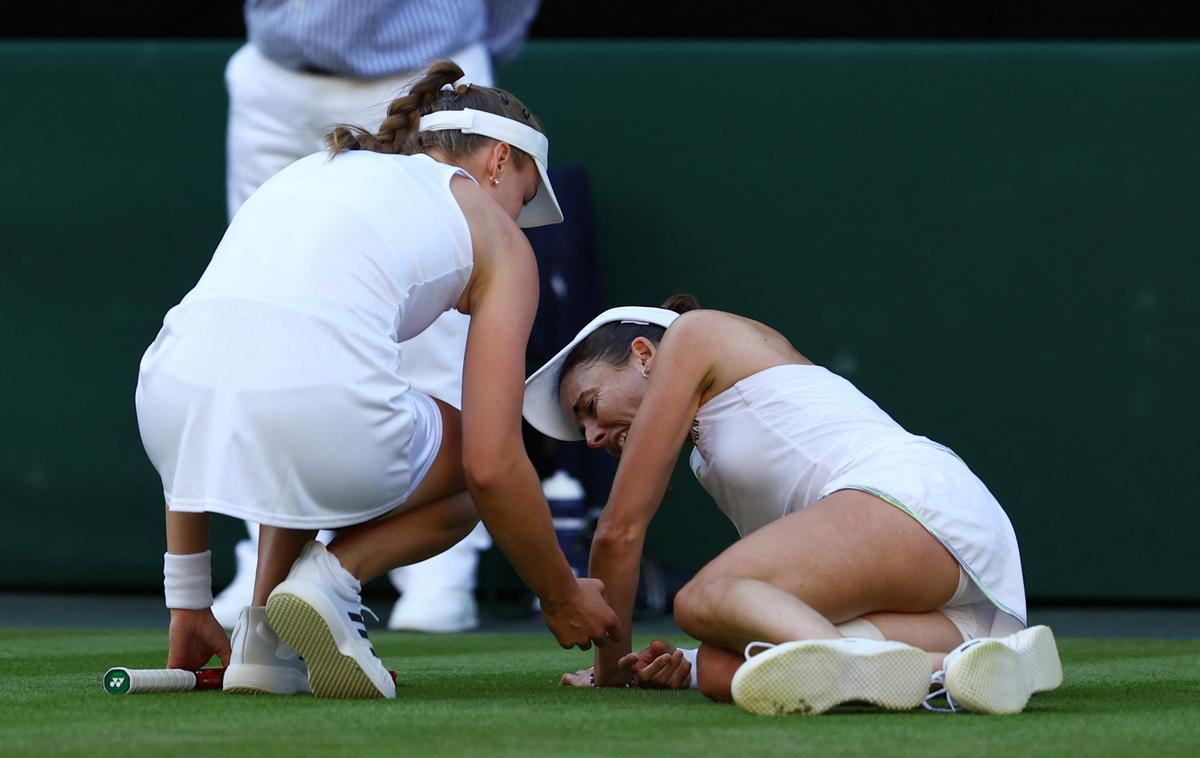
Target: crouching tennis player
{"type": "Point", "coordinates": [275, 391]}
{"type": "Point", "coordinates": [867, 554]}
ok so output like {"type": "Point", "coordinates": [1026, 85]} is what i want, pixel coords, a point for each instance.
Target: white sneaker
{"type": "Point", "coordinates": [812, 676]}
{"type": "Point", "coordinates": [452, 610]}
{"type": "Point", "coordinates": [228, 604]}
{"type": "Point", "coordinates": [260, 662]}
{"type": "Point", "coordinates": [998, 674]}
{"type": "Point", "coordinates": [318, 611]}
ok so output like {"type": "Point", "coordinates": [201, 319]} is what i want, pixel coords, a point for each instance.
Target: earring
{"type": "Point", "coordinates": [495, 182]}
{"type": "Point", "coordinates": [645, 371]}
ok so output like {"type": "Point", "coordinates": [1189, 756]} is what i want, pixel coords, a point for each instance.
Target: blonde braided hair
{"type": "Point", "coordinates": [399, 134]}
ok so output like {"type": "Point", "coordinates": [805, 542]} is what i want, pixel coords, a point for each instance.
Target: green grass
{"type": "Point", "coordinates": [498, 694]}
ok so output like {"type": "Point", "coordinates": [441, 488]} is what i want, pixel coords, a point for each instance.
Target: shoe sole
{"type": "Point", "coordinates": [1039, 656]}
{"type": "Point", "coordinates": [812, 676]}
{"type": "Point", "coordinates": [331, 674]}
{"type": "Point", "coordinates": [993, 678]}
{"type": "Point", "coordinates": [254, 679]}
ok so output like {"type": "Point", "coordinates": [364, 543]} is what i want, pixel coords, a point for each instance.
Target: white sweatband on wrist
{"type": "Point", "coordinates": [187, 580]}
{"type": "Point", "coordinates": [689, 655]}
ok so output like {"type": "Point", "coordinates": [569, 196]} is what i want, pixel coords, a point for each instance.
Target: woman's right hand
{"type": "Point", "coordinates": [660, 666]}
{"type": "Point", "coordinates": [583, 618]}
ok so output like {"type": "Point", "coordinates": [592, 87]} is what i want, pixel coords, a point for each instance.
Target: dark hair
{"type": "Point", "coordinates": [398, 133]}
{"type": "Point", "coordinates": [610, 343]}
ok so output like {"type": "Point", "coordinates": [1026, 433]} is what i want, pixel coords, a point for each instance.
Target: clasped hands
{"type": "Point", "coordinates": [659, 666]}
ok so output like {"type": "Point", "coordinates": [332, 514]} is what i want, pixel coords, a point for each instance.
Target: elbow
{"type": "Point", "coordinates": [612, 539]}
{"type": "Point", "coordinates": [486, 474]}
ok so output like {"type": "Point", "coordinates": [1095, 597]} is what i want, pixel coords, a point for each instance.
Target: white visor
{"type": "Point", "coordinates": [543, 209]}
{"type": "Point", "coordinates": [541, 408]}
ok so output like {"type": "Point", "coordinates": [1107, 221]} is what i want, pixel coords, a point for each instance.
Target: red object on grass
{"type": "Point", "coordinates": [212, 677]}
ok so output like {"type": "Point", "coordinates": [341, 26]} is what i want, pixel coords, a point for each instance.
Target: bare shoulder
{"type": "Point", "coordinates": [702, 327]}
{"type": "Point", "coordinates": [481, 211]}
{"type": "Point", "coordinates": [735, 346]}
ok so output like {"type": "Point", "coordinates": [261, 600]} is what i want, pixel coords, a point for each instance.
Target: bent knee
{"type": "Point", "coordinates": [696, 603]}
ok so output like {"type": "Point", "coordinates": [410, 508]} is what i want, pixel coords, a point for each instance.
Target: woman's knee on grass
{"type": "Point", "coordinates": [698, 605]}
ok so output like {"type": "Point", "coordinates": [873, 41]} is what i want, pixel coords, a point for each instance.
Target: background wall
{"type": "Point", "coordinates": [997, 242]}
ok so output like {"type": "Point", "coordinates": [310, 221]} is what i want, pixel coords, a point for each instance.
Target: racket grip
{"type": "Point", "coordinates": [126, 681]}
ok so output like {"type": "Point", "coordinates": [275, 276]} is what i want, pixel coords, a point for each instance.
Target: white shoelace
{"type": "Point", "coordinates": [764, 645]}
{"type": "Point", "coordinates": [939, 678]}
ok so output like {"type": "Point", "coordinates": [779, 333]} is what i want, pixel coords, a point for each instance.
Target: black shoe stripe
{"type": "Point", "coordinates": [356, 617]}
{"type": "Point", "coordinates": [362, 633]}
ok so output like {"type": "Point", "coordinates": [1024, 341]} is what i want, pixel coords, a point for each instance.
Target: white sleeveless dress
{"type": "Point", "coordinates": [273, 392]}
{"type": "Point", "coordinates": [781, 439]}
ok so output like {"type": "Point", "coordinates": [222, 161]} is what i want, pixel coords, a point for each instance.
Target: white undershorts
{"type": "Point", "coordinates": [974, 615]}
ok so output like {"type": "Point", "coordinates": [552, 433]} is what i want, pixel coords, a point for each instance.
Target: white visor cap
{"type": "Point", "coordinates": [543, 209]}
{"type": "Point", "coordinates": [541, 408]}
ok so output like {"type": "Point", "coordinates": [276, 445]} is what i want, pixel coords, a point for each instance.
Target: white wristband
{"type": "Point", "coordinates": [689, 655]}
{"type": "Point", "coordinates": [187, 580]}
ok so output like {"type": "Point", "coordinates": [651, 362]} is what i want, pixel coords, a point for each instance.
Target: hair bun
{"type": "Point", "coordinates": [681, 303]}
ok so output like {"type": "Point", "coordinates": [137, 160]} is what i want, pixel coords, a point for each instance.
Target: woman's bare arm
{"type": "Point", "coordinates": [679, 374]}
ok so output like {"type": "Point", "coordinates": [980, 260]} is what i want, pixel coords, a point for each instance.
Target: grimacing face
{"type": "Point", "coordinates": [603, 399]}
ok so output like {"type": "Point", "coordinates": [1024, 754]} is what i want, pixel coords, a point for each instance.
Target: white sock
{"type": "Point", "coordinates": [689, 655]}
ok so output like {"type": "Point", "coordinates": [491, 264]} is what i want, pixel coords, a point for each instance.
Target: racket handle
{"type": "Point", "coordinates": [126, 681]}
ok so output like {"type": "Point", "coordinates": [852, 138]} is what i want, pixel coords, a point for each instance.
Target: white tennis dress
{"type": "Point", "coordinates": [783, 438]}
{"type": "Point", "coordinates": [274, 392]}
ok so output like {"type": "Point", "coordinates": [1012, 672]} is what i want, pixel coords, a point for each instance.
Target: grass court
{"type": "Point", "coordinates": [497, 694]}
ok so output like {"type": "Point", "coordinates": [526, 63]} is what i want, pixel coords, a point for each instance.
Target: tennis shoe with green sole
{"type": "Point", "coordinates": [318, 611]}
{"type": "Point", "coordinates": [260, 662]}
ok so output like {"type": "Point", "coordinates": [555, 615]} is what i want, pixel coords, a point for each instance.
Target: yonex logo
{"type": "Point", "coordinates": [116, 681]}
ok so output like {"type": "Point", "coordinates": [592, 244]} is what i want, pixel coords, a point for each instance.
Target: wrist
{"type": "Point", "coordinates": [187, 580]}
{"type": "Point", "coordinates": [621, 679]}
{"type": "Point", "coordinates": [561, 592]}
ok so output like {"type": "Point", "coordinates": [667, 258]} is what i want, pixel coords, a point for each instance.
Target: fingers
{"type": "Point", "coordinates": [682, 678]}
{"type": "Point", "coordinates": [581, 678]}
{"type": "Point", "coordinates": [613, 629]}
{"type": "Point", "coordinates": [667, 671]}
{"type": "Point", "coordinates": [628, 662]}
{"type": "Point", "coordinates": [658, 647]}
{"type": "Point", "coordinates": [223, 653]}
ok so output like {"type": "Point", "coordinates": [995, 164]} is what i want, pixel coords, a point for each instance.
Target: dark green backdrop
{"type": "Point", "coordinates": [996, 242]}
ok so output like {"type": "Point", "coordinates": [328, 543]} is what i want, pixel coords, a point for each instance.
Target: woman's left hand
{"type": "Point", "coordinates": [659, 666]}
{"type": "Point", "coordinates": [581, 678]}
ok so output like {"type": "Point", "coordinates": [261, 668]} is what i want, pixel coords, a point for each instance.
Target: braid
{"type": "Point", "coordinates": [403, 115]}
{"type": "Point", "coordinates": [400, 130]}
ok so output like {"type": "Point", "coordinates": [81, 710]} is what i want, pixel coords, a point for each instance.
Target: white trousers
{"type": "Point", "coordinates": [277, 116]}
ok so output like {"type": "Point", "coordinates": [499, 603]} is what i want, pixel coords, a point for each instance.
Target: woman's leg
{"type": "Point", "coordinates": [372, 549]}
{"type": "Point", "coordinates": [849, 555]}
{"type": "Point", "coordinates": [437, 515]}
{"type": "Point", "coordinates": [278, 549]}
{"type": "Point", "coordinates": [845, 556]}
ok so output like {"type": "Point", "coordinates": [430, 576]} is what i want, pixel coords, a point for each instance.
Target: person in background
{"type": "Point", "coordinates": [304, 68]}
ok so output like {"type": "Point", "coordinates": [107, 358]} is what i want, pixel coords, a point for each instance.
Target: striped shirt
{"type": "Point", "coordinates": [366, 39]}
